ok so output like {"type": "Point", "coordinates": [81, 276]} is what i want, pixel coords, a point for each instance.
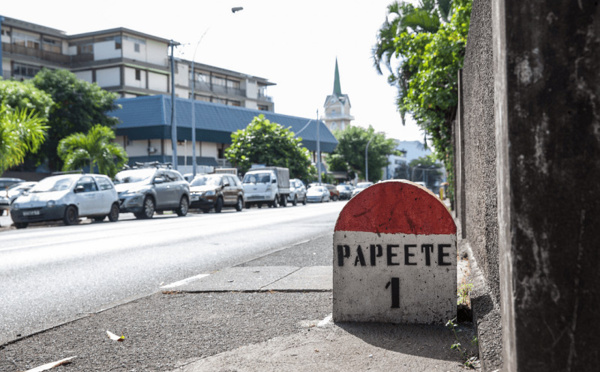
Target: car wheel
{"type": "Point", "coordinates": [275, 202]}
{"type": "Point", "coordinates": [335, 198]}
{"type": "Point", "coordinates": [219, 205]}
{"type": "Point", "coordinates": [148, 209]}
{"type": "Point", "coordinates": [183, 207]}
{"type": "Point", "coordinates": [321, 199]}
{"type": "Point", "coordinates": [295, 201]}
{"type": "Point", "coordinates": [240, 204]}
{"type": "Point", "coordinates": [71, 216]}
{"type": "Point", "coordinates": [21, 225]}
{"type": "Point", "coordinates": [304, 201]}
{"type": "Point", "coordinates": [259, 205]}
{"type": "Point", "coordinates": [283, 201]}
{"type": "Point", "coordinates": [113, 216]}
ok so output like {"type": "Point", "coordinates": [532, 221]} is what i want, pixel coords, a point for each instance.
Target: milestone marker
{"type": "Point", "coordinates": [394, 257]}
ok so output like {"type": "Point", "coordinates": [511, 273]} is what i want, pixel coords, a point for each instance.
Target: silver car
{"type": "Point", "coordinates": [67, 197]}
{"type": "Point", "coordinates": [318, 194]}
{"type": "Point", "coordinates": [297, 192]}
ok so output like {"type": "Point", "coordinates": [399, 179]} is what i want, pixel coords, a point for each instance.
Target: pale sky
{"type": "Point", "coordinates": [293, 44]}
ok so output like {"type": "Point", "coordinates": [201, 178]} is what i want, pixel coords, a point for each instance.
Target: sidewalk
{"type": "Point", "coordinates": [270, 314]}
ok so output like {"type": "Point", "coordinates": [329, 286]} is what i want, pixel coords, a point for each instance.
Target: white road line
{"type": "Point", "coordinates": [325, 321]}
{"type": "Point", "coordinates": [184, 281]}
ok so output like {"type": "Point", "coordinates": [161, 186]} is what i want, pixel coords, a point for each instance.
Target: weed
{"type": "Point", "coordinates": [463, 294]}
{"type": "Point", "coordinates": [469, 362]}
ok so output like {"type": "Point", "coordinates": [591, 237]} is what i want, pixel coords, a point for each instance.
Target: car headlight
{"type": "Point", "coordinates": [15, 206]}
{"type": "Point", "coordinates": [51, 204]}
{"type": "Point", "coordinates": [210, 193]}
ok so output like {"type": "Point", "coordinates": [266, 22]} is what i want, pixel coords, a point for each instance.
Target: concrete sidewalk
{"type": "Point", "coordinates": [270, 314]}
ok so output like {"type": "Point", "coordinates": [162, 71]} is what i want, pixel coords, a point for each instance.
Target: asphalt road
{"type": "Point", "coordinates": [53, 274]}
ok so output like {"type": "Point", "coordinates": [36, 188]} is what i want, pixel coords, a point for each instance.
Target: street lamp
{"type": "Point", "coordinates": [194, 160]}
{"type": "Point", "coordinates": [367, 159]}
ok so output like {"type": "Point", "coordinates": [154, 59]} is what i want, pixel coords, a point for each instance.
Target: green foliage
{"type": "Point", "coordinates": [352, 143]}
{"type": "Point", "coordinates": [21, 130]}
{"type": "Point", "coordinates": [429, 61]}
{"type": "Point", "coordinates": [20, 95]}
{"type": "Point", "coordinates": [463, 293]}
{"type": "Point", "coordinates": [94, 149]}
{"type": "Point", "coordinates": [469, 362]}
{"type": "Point", "coordinates": [78, 106]}
{"type": "Point", "coordinates": [263, 142]}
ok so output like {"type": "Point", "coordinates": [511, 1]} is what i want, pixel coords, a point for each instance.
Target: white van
{"type": "Point", "coordinates": [268, 185]}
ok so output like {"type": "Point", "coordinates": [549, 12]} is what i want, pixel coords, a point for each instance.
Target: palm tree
{"type": "Point", "coordinates": [92, 149]}
{"type": "Point", "coordinates": [402, 18]}
{"type": "Point", "coordinates": [21, 131]}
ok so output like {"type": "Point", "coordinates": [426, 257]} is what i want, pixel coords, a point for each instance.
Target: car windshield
{"type": "Point", "coordinates": [51, 184]}
{"type": "Point", "coordinates": [363, 185]}
{"type": "Point", "coordinates": [257, 178]}
{"type": "Point", "coordinates": [206, 181]}
{"type": "Point", "coordinates": [134, 175]}
{"type": "Point", "coordinates": [318, 189]}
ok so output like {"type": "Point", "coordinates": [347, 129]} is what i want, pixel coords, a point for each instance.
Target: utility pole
{"type": "Point", "coordinates": [318, 147]}
{"type": "Point", "coordinates": [173, 44]}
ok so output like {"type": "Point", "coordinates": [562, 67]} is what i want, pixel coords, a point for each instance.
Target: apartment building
{"type": "Point", "coordinates": [124, 61]}
{"type": "Point", "coordinates": [136, 66]}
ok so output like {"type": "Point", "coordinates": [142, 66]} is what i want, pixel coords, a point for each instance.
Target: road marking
{"type": "Point", "coordinates": [325, 321]}
{"type": "Point", "coordinates": [184, 281]}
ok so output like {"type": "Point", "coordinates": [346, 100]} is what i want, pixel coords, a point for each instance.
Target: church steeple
{"type": "Point", "coordinates": [337, 89]}
{"type": "Point", "coordinates": [337, 106]}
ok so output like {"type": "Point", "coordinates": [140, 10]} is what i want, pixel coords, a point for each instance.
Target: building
{"type": "Point", "coordinates": [145, 132]}
{"type": "Point", "coordinates": [124, 61]}
{"type": "Point", "coordinates": [337, 106]}
{"type": "Point", "coordinates": [136, 66]}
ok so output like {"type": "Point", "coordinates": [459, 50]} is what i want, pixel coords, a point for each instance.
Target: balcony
{"type": "Point", "coordinates": [36, 53]}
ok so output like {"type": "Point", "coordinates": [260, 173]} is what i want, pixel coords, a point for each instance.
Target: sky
{"type": "Point", "coordinates": [293, 44]}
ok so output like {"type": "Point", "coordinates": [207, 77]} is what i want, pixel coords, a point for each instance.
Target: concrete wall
{"type": "Point", "coordinates": [528, 164]}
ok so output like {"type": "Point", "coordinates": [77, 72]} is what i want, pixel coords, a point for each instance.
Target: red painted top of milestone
{"type": "Point", "coordinates": [394, 207]}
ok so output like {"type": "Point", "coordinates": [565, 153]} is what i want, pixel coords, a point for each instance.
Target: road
{"type": "Point", "coordinates": [50, 275]}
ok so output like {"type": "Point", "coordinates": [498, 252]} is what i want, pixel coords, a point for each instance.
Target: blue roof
{"type": "Point", "coordinates": [150, 117]}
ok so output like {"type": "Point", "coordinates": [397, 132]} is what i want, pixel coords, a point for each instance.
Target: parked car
{"type": "Point", "coordinates": [318, 194]}
{"type": "Point", "coordinates": [216, 191]}
{"type": "Point", "coordinates": [7, 182]}
{"type": "Point", "coordinates": [67, 197]}
{"type": "Point", "coordinates": [6, 198]}
{"type": "Point", "coordinates": [152, 188]}
{"type": "Point", "coordinates": [334, 193]}
{"type": "Point", "coordinates": [360, 187]}
{"type": "Point", "coordinates": [297, 192]}
{"type": "Point", "coordinates": [345, 191]}
{"type": "Point", "coordinates": [267, 185]}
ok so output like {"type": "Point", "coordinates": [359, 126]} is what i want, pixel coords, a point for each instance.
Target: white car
{"type": "Point", "coordinates": [297, 192]}
{"type": "Point", "coordinates": [360, 187]}
{"type": "Point", "coordinates": [317, 194]}
{"type": "Point", "coordinates": [67, 197]}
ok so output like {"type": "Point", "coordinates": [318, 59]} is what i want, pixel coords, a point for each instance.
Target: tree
{"type": "Point", "coordinates": [352, 143]}
{"type": "Point", "coordinates": [94, 149]}
{"type": "Point", "coordinates": [264, 142]}
{"type": "Point", "coordinates": [427, 75]}
{"type": "Point", "coordinates": [78, 106]}
{"type": "Point", "coordinates": [425, 169]}
{"type": "Point", "coordinates": [21, 95]}
{"type": "Point", "coordinates": [21, 130]}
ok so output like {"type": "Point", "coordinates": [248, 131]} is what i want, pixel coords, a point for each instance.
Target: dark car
{"type": "Point", "coordinates": [152, 188]}
{"type": "Point", "coordinates": [216, 191]}
{"type": "Point", "coordinates": [334, 193]}
{"type": "Point", "coordinates": [345, 191]}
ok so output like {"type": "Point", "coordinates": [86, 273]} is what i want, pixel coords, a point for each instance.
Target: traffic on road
{"type": "Point", "coordinates": [154, 188]}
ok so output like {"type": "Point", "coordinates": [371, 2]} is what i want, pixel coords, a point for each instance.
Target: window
{"type": "Point", "coordinates": [87, 183]}
{"type": "Point", "coordinates": [263, 108]}
{"type": "Point", "coordinates": [138, 74]}
{"type": "Point", "coordinates": [51, 45]}
{"type": "Point", "coordinates": [218, 81]}
{"type": "Point", "coordinates": [104, 183]}
{"type": "Point", "coordinates": [234, 103]}
{"type": "Point", "coordinates": [136, 47]}
{"type": "Point", "coordinates": [233, 84]}
{"type": "Point", "coordinates": [25, 71]}
{"type": "Point", "coordinates": [26, 40]}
